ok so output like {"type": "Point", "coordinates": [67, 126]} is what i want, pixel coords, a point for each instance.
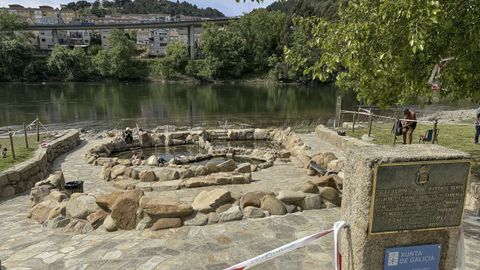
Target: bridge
{"type": "Point", "coordinates": [155, 25]}
{"type": "Point", "coordinates": [190, 25]}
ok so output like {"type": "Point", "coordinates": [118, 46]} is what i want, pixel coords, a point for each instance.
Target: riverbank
{"type": "Point", "coordinates": [454, 136]}
{"type": "Point", "coordinates": [452, 117]}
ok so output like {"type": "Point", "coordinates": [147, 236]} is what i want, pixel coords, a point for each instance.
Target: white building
{"type": "Point", "coordinates": [105, 35]}
{"type": "Point", "coordinates": [79, 37]}
{"type": "Point", "coordinates": [158, 42]}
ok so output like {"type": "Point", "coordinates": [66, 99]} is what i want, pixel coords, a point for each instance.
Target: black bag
{"type": "Point", "coordinates": [397, 128]}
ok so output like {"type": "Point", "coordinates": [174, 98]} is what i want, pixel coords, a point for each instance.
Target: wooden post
{"type": "Point", "coordinates": [434, 135]}
{"type": "Point", "coordinates": [370, 120]}
{"type": "Point", "coordinates": [11, 144]}
{"type": "Point", "coordinates": [395, 131]}
{"type": "Point", "coordinates": [38, 129]}
{"type": "Point", "coordinates": [353, 122]}
{"type": "Point", "coordinates": [26, 137]}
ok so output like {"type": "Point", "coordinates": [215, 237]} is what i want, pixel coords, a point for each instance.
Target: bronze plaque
{"type": "Point", "coordinates": [418, 196]}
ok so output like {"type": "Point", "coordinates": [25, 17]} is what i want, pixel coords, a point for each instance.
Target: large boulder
{"type": "Point", "coordinates": [253, 212]}
{"type": "Point", "coordinates": [335, 165]}
{"type": "Point", "coordinates": [227, 166]}
{"type": "Point", "coordinates": [40, 212]}
{"type": "Point", "coordinates": [37, 194]}
{"type": "Point", "coordinates": [252, 199]}
{"type": "Point", "coordinates": [309, 187]}
{"type": "Point", "coordinates": [81, 205]}
{"type": "Point", "coordinates": [273, 205]}
{"type": "Point", "coordinates": [166, 223]}
{"type": "Point", "coordinates": [109, 224]}
{"type": "Point", "coordinates": [148, 176]}
{"type": "Point", "coordinates": [106, 172]}
{"type": "Point", "coordinates": [54, 181]}
{"type": "Point", "coordinates": [312, 201]}
{"type": "Point", "coordinates": [167, 174]}
{"type": "Point", "coordinates": [234, 213]}
{"type": "Point", "coordinates": [152, 161]}
{"type": "Point", "coordinates": [164, 207]}
{"type": "Point", "coordinates": [96, 219]}
{"type": "Point", "coordinates": [326, 181]}
{"type": "Point", "coordinates": [212, 167]}
{"type": "Point", "coordinates": [330, 194]}
{"type": "Point", "coordinates": [260, 134]}
{"type": "Point", "coordinates": [118, 170]}
{"type": "Point", "coordinates": [124, 211]}
{"type": "Point", "coordinates": [244, 168]}
{"type": "Point", "coordinates": [289, 196]}
{"type": "Point", "coordinates": [208, 201]}
{"type": "Point", "coordinates": [106, 201]}
{"type": "Point", "coordinates": [197, 219]}
{"type": "Point", "coordinates": [327, 158]}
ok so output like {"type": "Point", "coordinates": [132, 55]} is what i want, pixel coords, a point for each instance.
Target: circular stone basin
{"type": "Point", "coordinates": [166, 152]}
{"type": "Point", "coordinates": [251, 144]}
{"type": "Point", "coordinates": [218, 160]}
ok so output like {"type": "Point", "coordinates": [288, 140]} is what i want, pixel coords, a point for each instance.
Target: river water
{"type": "Point", "coordinates": [108, 105]}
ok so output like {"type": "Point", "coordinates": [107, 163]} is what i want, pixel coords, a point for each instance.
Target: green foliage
{"type": "Point", "coordinates": [174, 63]}
{"type": "Point", "coordinates": [243, 46]}
{"type": "Point", "coordinates": [386, 50]}
{"type": "Point", "coordinates": [143, 7]}
{"type": "Point", "coordinates": [16, 48]}
{"type": "Point", "coordinates": [69, 64]}
{"type": "Point", "coordinates": [225, 50]}
{"type": "Point", "coordinates": [327, 9]}
{"type": "Point", "coordinates": [117, 61]}
{"type": "Point", "coordinates": [263, 32]}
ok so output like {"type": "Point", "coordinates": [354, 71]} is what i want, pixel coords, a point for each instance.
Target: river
{"type": "Point", "coordinates": [108, 105]}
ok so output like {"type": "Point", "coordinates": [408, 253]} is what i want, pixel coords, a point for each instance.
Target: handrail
{"type": "Point", "coordinates": [370, 122]}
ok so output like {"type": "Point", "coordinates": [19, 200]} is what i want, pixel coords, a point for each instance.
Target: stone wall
{"type": "Point", "coordinates": [23, 176]}
{"type": "Point", "coordinates": [341, 142]}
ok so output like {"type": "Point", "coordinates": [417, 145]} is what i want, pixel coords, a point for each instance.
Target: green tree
{"type": "Point", "coordinates": [386, 50]}
{"type": "Point", "coordinates": [69, 64]}
{"type": "Point", "coordinates": [175, 61]}
{"type": "Point", "coordinates": [225, 51]}
{"type": "Point", "coordinates": [16, 48]}
{"type": "Point", "coordinates": [263, 32]}
{"type": "Point", "coordinates": [117, 60]}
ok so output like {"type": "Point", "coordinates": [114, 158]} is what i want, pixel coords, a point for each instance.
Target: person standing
{"type": "Point", "coordinates": [477, 126]}
{"type": "Point", "coordinates": [409, 125]}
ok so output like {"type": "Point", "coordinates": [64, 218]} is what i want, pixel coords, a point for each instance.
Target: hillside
{"type": "Point", "coordinates": [320, 8]}
{"type": "Point", "coordinates": [144, 7]}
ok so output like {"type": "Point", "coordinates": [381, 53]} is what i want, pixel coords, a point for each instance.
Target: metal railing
{"type": "Point", "coordinates": [35, 124]}
{"type": "Point", "coordinates": [370, 116]}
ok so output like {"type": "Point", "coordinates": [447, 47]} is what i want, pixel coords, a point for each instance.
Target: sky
{"type": "Point", "coordinates": [227, 7]}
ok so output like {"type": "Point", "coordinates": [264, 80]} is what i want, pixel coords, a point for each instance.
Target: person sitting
{"type": "Point", "coordinates": [128, 135]}
{"type": "Point", "coordinates": [4, 153]}
{"type": "Point", "coordinates": [409, 125]}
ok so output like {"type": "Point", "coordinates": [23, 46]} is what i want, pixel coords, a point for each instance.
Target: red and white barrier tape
{"type": "Point", "coordinates": [461, 250]}
{"type": "Point", "coordinates": [336, 241]}
{"type": "Point", "coordinates": [288, 248]}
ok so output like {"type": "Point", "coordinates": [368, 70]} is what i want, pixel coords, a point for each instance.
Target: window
{"type": "Point", "coordinates": [43, 40]}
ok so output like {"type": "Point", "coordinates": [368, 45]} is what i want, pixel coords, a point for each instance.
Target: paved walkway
{"type": "Point", "coordinates": [27, 245]}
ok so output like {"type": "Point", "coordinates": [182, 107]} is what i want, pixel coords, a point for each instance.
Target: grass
{"type": "Point", "coordinates": [459, 137]}
{"type": "Point", "coordinates": [21, 153]}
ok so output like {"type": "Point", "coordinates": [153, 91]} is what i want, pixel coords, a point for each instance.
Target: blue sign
{"type": "Point", "coordinates": [424, 257]}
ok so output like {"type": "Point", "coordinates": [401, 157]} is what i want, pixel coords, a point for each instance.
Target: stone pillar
{"type": "Point", "coordinates": [191, 41]}
{"type": "Point", "coordinates": [404, 205]}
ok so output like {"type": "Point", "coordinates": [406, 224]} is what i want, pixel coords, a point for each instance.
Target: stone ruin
{"type": "Point", "coordinates": [136, 208]}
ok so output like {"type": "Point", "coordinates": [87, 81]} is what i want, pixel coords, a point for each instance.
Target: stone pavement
{"type": "Point", "coordinates": [25, 244]}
